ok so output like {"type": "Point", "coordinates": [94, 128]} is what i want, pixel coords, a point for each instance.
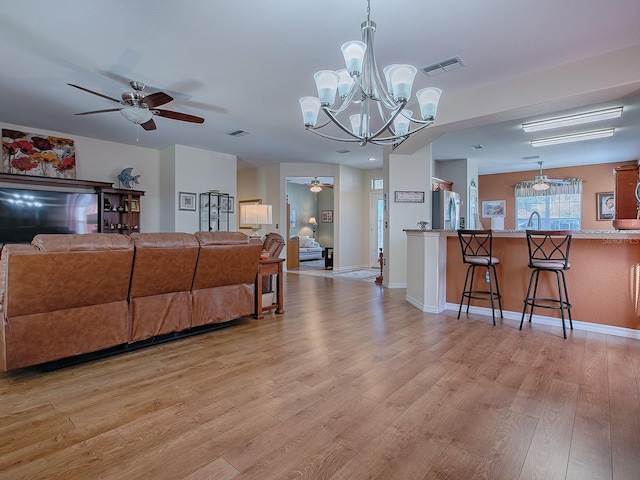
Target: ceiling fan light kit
{"type": "Point", "coordinates": [136, 114]}
{"type": "Point", "coordinates": [315, 186]}
{"type": "Point", "coordinates": [360, 85]}
{"type": "Point", "coordinates": [540, 182]}
{"type": "Point", "coordinates": [571, 120]}
{"type": "Point", "coordinates": [574, 137]}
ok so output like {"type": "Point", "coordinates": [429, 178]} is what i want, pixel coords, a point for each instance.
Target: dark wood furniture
{"type": "Point", "coordinates": [328, 258]}
{"type": "Point", "coordinates": [119, 210]}
{"type": "Point", "coordinates": [269, 266]}
{"type": "Point", "coordinates": [625, 187]}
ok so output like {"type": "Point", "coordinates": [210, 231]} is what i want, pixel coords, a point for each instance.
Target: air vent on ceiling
{"type": "Point", "coordinates": [343, 151]}
{"type": "Point", "coordinates": [477, 146]}
{"type": "Point", "coordinates": [447, 65]}
{"type": "Point", "coordinates": [531, 157]}
{"type": "Point", "coordinates": [238, 133]}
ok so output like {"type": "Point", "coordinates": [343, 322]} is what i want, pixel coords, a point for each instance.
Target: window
{"type": "Point", "coordinates": [559, 207]}
{"type": "Point", "coordinates": [377, 184]}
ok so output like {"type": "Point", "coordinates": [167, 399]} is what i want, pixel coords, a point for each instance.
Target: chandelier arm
{"type": "Point", "coordinates": [342, 127]}
{"type": "Point", "coordinates": [428, 121]}
{"type": "Point", "coordinates": [345, 103]}
{"type": "Point", "coordinates": [411, 132]}
{"type": "Point", "coordinates": [388, 123]}
{"type": "Point", "coordinates": [334, 138]}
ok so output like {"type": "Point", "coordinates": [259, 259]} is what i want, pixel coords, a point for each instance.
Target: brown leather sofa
{"type": "Point", "coordinates": [66, 295]}
{"type": "Point", "coordinates": [63, 295]}
{"type": "Point", "coordinates": [223, 285]}
{"type": "Point", "coordinates": [160, 292]}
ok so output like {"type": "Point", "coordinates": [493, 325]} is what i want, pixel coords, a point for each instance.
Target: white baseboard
{"type": "Point", "coordinates": [552, 321]}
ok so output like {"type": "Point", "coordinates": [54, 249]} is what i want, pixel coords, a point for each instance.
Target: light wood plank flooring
{"type": "Point", "coordinates": [352, 382]}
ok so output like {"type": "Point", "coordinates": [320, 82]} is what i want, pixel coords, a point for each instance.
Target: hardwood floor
{"type": "Point", "coordinates": [352, 382]}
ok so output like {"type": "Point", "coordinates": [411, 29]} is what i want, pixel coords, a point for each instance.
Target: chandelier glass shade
{"type": "Point", "coordinates": [377, 111]}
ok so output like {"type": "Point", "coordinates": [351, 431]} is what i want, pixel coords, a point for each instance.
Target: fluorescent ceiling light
{"type": "Point", "coordinates": [569, 120]}
{"type": "Point", "coordinates": [576, 137]}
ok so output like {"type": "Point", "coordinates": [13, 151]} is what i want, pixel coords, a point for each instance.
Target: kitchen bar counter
{"type": "Point", "coordinates": [603, 282]}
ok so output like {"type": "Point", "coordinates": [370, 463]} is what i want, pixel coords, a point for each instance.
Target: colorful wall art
{"type": "Point", "coordinates": [37, 155]}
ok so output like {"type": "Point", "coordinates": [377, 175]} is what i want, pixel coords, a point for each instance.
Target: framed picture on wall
{"type": "Point", "coordinates": [226, 204]}
{"type": "Point", "coordinates": [326, 216]}
{"type": "Point", "coordinates": [605, 203]}
{"type": "Point", "coordinates": [494, 208]}
{"type": "Point", "coordinates": [292, 218]}
{"type": "Point", "coordinates": [187, 201]}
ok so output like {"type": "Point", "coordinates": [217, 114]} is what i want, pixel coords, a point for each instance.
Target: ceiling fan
{"type": "Point", "coordinates": [140, 108]}
{"type": "Point", "coordinates": [316, 185]}
{"type": "Point", "coordinates": [541, 182]}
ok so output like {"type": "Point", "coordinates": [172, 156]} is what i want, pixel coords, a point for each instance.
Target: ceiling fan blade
{"type": "Point", "coordinates": [178, 116]}
{"type": "Point", "coordinates": [149, 125]}
{"type": "Point", "coordinates": [95, 93]}
{"type": "Point", "coordinates": [98, 111]}
{"type": "Point", "coordinates": [157, 99]}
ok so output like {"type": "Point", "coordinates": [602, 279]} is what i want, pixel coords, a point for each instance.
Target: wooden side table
{"type": "Point", "coordinates": [269, 266]}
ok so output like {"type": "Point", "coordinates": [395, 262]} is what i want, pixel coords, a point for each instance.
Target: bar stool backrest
{"type": "Point", "coordinates": [549, 249]}
{"type": "Point", "coordinates": [475, 243]}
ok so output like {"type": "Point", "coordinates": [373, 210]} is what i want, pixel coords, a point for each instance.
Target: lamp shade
{"type": "Point", "coordinates": [402, 122]}
{"type": "Point", "coordinates": [353, 53]}
{"type": "Point", "coordinates": [312, 221]}
{"type": "Point", "coordinates": [428, 99]}
{"type": "Point", "coordinates": [310, 107]}
{"type": "Point", "coordinates": [401, 78]}
{"type": "Point", "coordinates": [326, 84]}
{"type": "Point", "coordinates": [255, 215]}
{"type": "Point", "coordinates": [345, 83]}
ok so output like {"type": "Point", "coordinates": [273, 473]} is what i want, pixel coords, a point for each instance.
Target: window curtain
{"type": "Point", "coordinates": [569, 186]}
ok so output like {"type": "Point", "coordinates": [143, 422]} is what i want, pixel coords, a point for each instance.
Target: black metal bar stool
{"type": "Point", "coordinates": [477, 251]}
{"type": "Point", "coordinates": [548, 252]}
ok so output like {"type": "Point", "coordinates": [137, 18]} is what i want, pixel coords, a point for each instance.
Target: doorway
{"type": "Point", "coordinates": [376, 224]}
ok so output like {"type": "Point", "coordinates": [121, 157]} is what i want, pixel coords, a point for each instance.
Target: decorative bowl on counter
{"type": "Point", "coordinates": [626, 223]}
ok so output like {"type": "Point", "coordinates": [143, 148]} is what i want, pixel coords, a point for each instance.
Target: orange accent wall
{"type": "Point", "coordinates": [597, 178]}
{"type": "Point", "coordinates": [603, 282]}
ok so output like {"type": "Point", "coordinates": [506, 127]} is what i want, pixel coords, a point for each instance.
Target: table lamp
{"type": "Point", "coordinates": [256, 216]}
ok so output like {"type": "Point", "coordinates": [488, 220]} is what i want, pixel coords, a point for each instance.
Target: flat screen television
{"type": "Point", "coordinates": [25, 213]}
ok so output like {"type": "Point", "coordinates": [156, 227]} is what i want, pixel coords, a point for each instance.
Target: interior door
{"type": "Point", "coordinates": [376, 220]}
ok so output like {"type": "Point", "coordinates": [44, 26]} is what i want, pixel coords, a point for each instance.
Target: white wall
{"type": "Point", "coordinates": [198, 171]}
{"type": "Point", "coordinates": [412, 173]}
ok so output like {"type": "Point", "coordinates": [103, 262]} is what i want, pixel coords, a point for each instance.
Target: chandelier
{"type": "Point", "coordinates": [359, 85]}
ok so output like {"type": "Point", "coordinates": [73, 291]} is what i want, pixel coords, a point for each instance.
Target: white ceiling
{"type": "Point", "coordinates": [243, 65]}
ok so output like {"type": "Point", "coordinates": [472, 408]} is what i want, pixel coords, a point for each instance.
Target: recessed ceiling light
{"type": "Point", "coordinates": [576, 137]}
{"type": "Point", "coordinates": [569, 120]}
{"type": "Point", "coordinates": [372, 159]}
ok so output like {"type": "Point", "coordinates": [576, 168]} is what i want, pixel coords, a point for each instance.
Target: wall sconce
{"type": "Point", "coordinates": [256, 216]}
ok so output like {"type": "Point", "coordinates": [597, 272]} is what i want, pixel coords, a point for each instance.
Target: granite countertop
{"type": "Point", "coordinates": [521, 233]}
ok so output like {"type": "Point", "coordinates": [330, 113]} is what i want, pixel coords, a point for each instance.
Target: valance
{"type": "Point", "coordinates": [562, 187]}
